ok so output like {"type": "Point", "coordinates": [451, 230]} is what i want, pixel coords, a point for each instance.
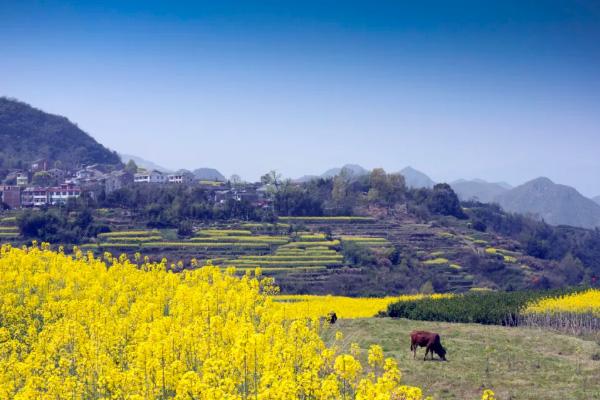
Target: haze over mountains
{"type": "Point", "coordinates": [416, 179]}
{"type": "Point", "coordinates": [478, 189]}
{"type": "Point", "coordinates": [143, 163]}
{"type": "Point", "coordinates": [27, 134]}
{"type": "Point", "coordinates": [556, 204]}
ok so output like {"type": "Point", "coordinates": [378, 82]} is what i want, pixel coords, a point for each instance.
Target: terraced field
{"type": "Point", "coordinates": [442, 252]}
{"type": "Point", "coordinates": [8, 229]}
{"type": "Point", "coordinates": [305, 254]}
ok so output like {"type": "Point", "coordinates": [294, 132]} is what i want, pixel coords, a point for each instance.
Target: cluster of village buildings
{"type": "Point", "coordinates": [24, 192]}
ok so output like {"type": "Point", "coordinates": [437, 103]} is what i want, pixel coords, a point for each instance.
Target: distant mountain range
{"type": "Point", "coordinates": [204, 174]}
{"type": "Point", "coordinates": [416, 179]}
{"type": "Point", "coordinates": [208, 174]}
{"type": "Point", "coordinates": [349, 169]}
{"type": "Point", "coordinates": [28, 134]}
{"type": "Point", "coordinates": [413, 177]}
{"type": "Point", "coordinates": [555, 204]}
{"type": "Point", "coordinates": [478, 189]}
{"type": "Point", "coordinates": [142, 163]}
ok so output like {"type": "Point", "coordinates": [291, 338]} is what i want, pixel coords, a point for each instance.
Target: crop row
{"type": "Point", "coordinates": [165, 245]}
{"type": "Point", "coordinates": [266, 226]}
{"type": "Point", "coordinates": [283, 269]}
{"type": "Point", "coordinates": [324, 244]}
{"type": "Point", "coordinates": [290, 263]}
{"type": "Point", "coordinates": [136, 233]}
{"type": "Point", "coordinates": [308, 251]}
{"type": "Point", "coordinates": [499, 308]}
{"type": "Point", "coordinates": [294, 258]}
{"type": "Point", "coordinates": [328, 219]}
{"type": "Point", "coordinates": [9, 234]}
{"type": "Point", "coordinates": [345, 307]}
{"type": "Point", "coordinates": [223, 232]}
{"type": "Point", "coordinates": [233, 239]}
{"type": "Point", "coordinates": [8, 220]}
{"type": "Point", "coordinates": [133, 238]}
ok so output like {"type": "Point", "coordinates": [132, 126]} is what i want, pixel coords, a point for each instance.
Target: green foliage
{"type": "Point", "coordinates": [56, 226]}
{"type": "Point", "coordinates": [539, 239]}
{"type": "Point", "coordinates": [442, 200]}
{"type": "Point", "coordinates": [28, 134]}
{"type": "Point", "coordinates": [495, 308]}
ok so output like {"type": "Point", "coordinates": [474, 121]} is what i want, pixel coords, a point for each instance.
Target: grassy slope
{"type": "Point", "coordinates": [517, 363]}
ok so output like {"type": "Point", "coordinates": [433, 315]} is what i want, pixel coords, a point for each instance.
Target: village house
{"type": "Point", "coordinates": [61, 194]}
{"type": "Point", "coordinates": [88, 174]}
{"type": "Point", "coordinates": [42, 196]}
{"type": "Point", "coordinates": [117, 180]}
{"type": "Point", "coordinates": [11, 196]}
{"type": "Point", "coordinates": [22, 179]}
{"type": "Point", "coordinates": [34, 197]}
{"type": "Point", "coordinates": [57, 174]}
{"type": "Point", "coordinates": [150, 177]}
{"type": "Point", "coordinates": [183, 177]}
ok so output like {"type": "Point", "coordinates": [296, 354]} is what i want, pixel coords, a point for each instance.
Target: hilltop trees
{"type": "Point", "coordinates": [131, 167]}
{"type": "Point", "coordinates": [444, 201]}
{"type": "Point", "coordinates": [387, 189]}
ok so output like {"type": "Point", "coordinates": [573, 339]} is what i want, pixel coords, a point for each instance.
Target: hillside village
{"type": "Point", "coordinates": [41, 186]}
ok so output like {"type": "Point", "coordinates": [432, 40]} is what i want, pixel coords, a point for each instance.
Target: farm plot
{"type": "Point", "coordinates": [312, 252]}
{"type": "Point", "coordinates": [8, 229]}
{"type": "Point", "coordinates": [577, 313]}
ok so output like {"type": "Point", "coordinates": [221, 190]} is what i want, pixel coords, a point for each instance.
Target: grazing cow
{"type": "Point", "coordinates": [429, 340]}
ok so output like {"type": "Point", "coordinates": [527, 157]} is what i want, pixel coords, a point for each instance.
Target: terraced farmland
{"type": "Point", "coordinates": [8, 229]}
{"type": "Point", "coordinates": [306, 254]}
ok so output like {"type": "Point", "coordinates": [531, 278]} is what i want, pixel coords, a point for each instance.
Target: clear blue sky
{"type": "Point", "coordinates": [506, 90]}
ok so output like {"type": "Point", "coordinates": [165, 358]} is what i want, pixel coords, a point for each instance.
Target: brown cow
{"type": "Point", "coordinates": [429, 340]}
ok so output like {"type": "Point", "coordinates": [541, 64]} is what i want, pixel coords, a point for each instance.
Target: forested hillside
{"type": "Point", "coordinates": [28, 134]}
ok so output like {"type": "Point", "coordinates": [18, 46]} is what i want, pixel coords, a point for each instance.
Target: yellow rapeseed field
{"type": "Point", "coordinates": [81, 327]}
{"type": "Point", "coordinates": [579, 303]}
{"type": "Point", "coordinates": [310, 306]}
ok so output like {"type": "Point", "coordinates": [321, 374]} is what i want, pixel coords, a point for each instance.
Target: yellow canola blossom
{"type": "Point", "coordinates": [312, 306]}
{"type": "Point", "coordinates": [82, 327]}
{"type": "Point", "coordinates": [578, 303]}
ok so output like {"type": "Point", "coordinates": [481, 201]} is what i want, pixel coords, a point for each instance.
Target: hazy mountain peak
{"type": "Point", "coordinates": [477, 189]}
{"type": "Point", "coordinates": [556, 204]}
{"type": "Point", "coordinates": [596, 199]}
{"type": "Point", "coordinates": [416, 179]}
{"type": "Point", "coordinates": [351, 169]}
{"type": "Point", "coordinates": [542, 181]}
{"type": "Point", "coordinates": [142, 163]}
{"type": "Point", "coordinates": [208, 174]}
{"type": "Point", "coordinates": [505, 185]}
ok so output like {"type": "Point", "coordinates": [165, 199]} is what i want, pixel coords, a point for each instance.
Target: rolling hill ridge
{"type": "Point", "coordinates": [28, 134]}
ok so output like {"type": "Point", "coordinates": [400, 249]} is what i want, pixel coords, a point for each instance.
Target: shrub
{"type": "Point", "coordinates": [494, 308]}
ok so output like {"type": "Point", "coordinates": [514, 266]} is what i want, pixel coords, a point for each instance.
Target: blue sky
{"type": "Point", "coordinates": [506, 90]}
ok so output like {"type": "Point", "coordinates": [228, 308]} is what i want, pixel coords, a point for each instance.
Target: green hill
{"type": "Point", "coordinates": [28, 134]}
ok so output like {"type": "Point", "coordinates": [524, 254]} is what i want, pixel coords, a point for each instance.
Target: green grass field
{"type": "Point", "coordinates": [517, 363]}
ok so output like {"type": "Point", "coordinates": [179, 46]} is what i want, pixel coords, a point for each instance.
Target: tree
{"type": "Point", "coordinates": [387, 189]}
{"type": "Point", "coordinates": [131, 167]}
{"type": "Point", "coordinates": [444, 201]}
{"type": "Point", "coordinates": [271, 178]}
{"type": "Point", "coordinates": [235, 179]}
{"type": "Point", "coordinates": [42, 178]}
